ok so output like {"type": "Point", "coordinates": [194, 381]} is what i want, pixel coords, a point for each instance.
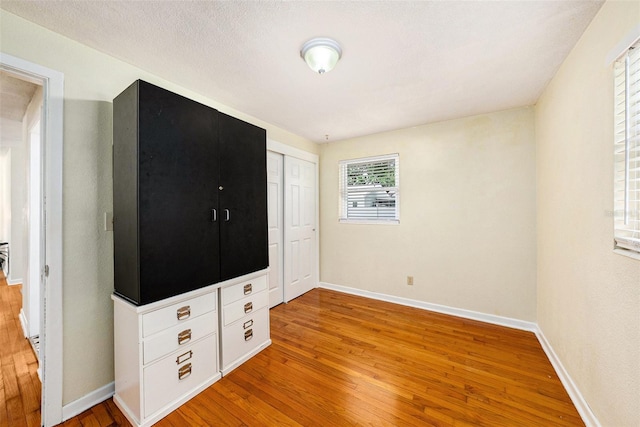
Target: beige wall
{"type": "Point", "coordinates": [91, 81]}
{"type": "Point", "coordinates": [467, 216]}
{"type": "Point", "coordinates": [588, 296]}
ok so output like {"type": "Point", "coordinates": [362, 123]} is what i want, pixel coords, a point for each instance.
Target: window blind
{"type": "Point", "coordinates": [627, 151]}
{"type": "Point", "coordinates": [369, 189]}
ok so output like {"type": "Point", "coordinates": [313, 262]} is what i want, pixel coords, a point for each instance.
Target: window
{"type": "Point", "coordinates": [627, 151]}
{"type": "Point", "coordinates": [369, 189]}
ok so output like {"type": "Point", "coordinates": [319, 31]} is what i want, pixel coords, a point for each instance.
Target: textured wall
{"type": "Point", "coordinates": [467, 216]}
{"type": "Point", "coordinates": [91, 81]}
{"type": "Point", "coordinates": [588, 296]}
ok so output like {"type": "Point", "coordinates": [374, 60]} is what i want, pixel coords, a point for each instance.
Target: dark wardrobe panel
{"type": "Point", "coordinates": [177, 174]}
{"type": "Point", "coordinates": [190, 195]}
{"type": "Point", "coordinates": [243, 198]}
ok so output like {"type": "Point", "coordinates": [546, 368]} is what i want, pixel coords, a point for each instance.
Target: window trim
{"type": "Point", "coordinates": [624, 244]}
{"type": "Point", "coordinates": [342, 205]}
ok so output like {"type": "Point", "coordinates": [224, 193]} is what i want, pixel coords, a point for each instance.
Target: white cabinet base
{"type": "Point", "coordinates": [180, 338]}
{"type": "Point", "coordinates": [168, 351]}
{"type": "Point", "coordinates": [244, 320]}
{"type": "Point", "coordinates": [149, 421]}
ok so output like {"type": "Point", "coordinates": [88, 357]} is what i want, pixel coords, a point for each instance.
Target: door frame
{"type": "Point", "coordinates": [51, 288]}
{"type": "Point", "coordinates": [280, 221]}
{"type": "Point", "coordinates": [287, 150]}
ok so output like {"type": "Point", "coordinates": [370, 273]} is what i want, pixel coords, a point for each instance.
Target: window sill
{"type": "Point", "coordinates": [628, 253]}
{"type": "Point", "coordinates": [369, 222]}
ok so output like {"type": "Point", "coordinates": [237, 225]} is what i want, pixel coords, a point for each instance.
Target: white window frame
{"type": "Point", "coordinates": [627, 152]}
{"type": "Point", "coordinates": [344, 216]}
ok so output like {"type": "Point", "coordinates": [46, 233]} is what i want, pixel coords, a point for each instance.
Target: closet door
{"type": "Point", "coordinates": [178, 179]}
{"type": "Point", "coordinates": [299, 227]}
{"type": "Point", "coordinates": [243, 198]}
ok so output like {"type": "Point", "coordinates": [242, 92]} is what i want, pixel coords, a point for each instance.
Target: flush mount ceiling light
{"type": "Point", "coordinates": [321, 54]}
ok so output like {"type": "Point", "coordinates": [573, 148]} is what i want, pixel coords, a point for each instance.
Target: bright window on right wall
{"type": "Point", "coordinates": [369, 190]}
{"type": "Point", "coordinates": [627, 151]}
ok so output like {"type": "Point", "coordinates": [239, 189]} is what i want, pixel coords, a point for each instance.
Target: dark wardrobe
{"type": "Point", "coordinates": [189, 195]}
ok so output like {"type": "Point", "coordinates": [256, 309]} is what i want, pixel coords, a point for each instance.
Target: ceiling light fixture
{"type": "Point", "coordinates": [321, 54]}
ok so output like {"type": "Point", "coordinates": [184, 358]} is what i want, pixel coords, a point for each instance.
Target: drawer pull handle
{"type": "Point", "coordinates": [248, 288]}
{"type": "Point", "coordinates": [248, 307]}
{"type": "Point", "coordinates": [248, 334]}
{"type": "Point", "coordinates": [184, 357]}
{"type": "Point", "coordinates": [184, 312]}
{"type": "Point", "coordinates": [184, 336]}
{"type": "Point", "coordinates": [247, 324]}
{"type": "Point", "coordinates": [184, 371]}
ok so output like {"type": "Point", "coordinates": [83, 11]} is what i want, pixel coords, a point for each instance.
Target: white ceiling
{"type": "Point", "coordinates": [15, 95]}
{"type": "Point", "coordinates": [404, 63]}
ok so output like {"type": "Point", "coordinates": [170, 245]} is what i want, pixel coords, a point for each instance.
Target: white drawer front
{"type": "Point", "coordinates": [244, 336]}
{"type": "Point", "coordinates": [235, 292]}
{"type": "Point", "coordinates": [179, 336]}
{"type": "Point", "coordinates": [162, 384]}
{"type": "Point", "coordinates": [243, 307]}
{"type": "Point", "coordinates": [163, 318]}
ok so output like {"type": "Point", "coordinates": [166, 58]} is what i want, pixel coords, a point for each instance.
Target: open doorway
{"type": "Point", "coordinates": [20, 145]}
{"type": "Point", "coordinates": [30, 227]}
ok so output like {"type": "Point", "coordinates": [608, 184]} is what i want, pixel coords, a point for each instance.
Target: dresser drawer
{"type": "Point", "coordinates": [245, 335]}
{"type": "Point", "coordinates": [175, 314]}
{"type": "Point", "coordinates": [238, 291]}
{"type": "Point", "coordinates": [179, 373]}
{"type": "Point", "coordinates": [179, 336]}
{"type": "Point", "coordinates": [243, 307]}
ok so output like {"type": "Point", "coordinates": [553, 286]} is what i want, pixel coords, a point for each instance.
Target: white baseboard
{"type": "Point", "coordinates": [453, 311]}
{"type": "Point", "coordinates": [76, 407]}
{"type": "Point", "coordinates": [13, 282]}
{"type": "Point", "coordinates": [24, 323]}
{"type": "Point", "coordinates": [578, 400]}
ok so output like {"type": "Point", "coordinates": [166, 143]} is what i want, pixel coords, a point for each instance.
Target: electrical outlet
{"type": "Point", "coordinates": [410, 280]}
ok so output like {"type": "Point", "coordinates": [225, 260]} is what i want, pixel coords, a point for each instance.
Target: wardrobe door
{"type": "Point", "coordinates": [178, 180]}
{"type": "Point", "coordinates": [243, 198]}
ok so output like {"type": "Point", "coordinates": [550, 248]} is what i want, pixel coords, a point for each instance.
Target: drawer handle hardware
{"type": "Point", "coordinates": [184, 312]}
{"type": "Point", "coordinates": [247, 289]}
{"type": "Point", "coordinates": [248, 307]}
{"type": "Point", "coordinates": [184, 336]}
{"type": "Point", "coordinates": [184, 357]}
{"type": "Point", "coordinates": [214, 215]}
{"type": "Point", "coordinates": [248, 334]}
{"type": "Point", "coordinates": [247, 324]}
{"type": "Point", "coordinates": [184, 371]}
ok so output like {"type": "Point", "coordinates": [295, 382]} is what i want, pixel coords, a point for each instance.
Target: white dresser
{"type": "Point", "coordinates": [244, 321]}
{"type": "Point", "coordinates": [169, 351]}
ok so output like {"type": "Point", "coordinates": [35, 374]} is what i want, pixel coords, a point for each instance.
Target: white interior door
{"type": "Point", "coordinates": [275, 207]}
{"type": "Point", "coordinates": [299, 227]}
{"type": "Point", "coordinates": [31, 295]}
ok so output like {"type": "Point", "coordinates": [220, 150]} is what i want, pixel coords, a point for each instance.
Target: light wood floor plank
{"type": "Point", "coordinates": [343, 360]}
{"type": "Point", "coordinates": [20, 387]}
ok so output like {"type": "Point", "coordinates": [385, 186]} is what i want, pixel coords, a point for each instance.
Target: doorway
{"type": "Point", "coordinates": [33, 224]}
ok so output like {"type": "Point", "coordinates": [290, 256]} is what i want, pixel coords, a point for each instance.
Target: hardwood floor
{"type": "Point", "coordinates": [20, 386]}
{"type": "Point", "coordinates": [342, 360]}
